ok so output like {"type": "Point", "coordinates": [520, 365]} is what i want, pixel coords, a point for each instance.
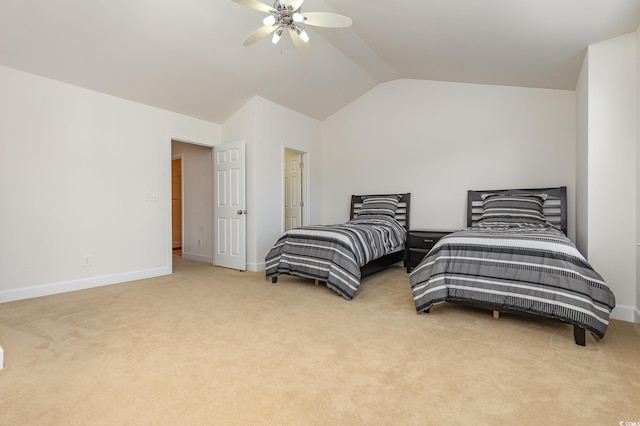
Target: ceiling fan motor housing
{"type": "Point", "coordinates": [284, 14]}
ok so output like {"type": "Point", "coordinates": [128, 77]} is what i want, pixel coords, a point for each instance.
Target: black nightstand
{"type": "Point", "coordinates": [419, 242]}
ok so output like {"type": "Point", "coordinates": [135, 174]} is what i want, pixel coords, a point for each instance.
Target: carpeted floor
{"type": "Point", "coordinates": [209, 345]}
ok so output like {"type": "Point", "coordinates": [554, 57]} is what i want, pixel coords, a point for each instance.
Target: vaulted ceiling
{"type": "Point", "coordinates": [187, 56]}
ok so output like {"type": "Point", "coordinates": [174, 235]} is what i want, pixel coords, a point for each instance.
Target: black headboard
{"type": "Point", "coordinates": [554, 208]}
{"type": "Point", "coordinates": [402, 214]}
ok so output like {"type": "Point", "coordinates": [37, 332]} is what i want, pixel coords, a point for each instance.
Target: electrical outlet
{"type": "Point", "coordinates": [87, 260]}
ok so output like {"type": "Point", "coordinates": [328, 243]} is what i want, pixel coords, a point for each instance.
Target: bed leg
{"type": "Point", "coordinates": [578, 335]}
{"type": "Point", "coordinates": [274, 280]}
{"type": "Point", "coordinates": [496, 314]}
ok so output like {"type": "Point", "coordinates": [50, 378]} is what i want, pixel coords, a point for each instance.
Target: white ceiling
{"type": "Point", "coordinates": [187, 55]}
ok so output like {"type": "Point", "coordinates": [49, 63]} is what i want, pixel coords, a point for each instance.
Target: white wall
{"type": "Point", "coordinates": [582, 158]}
{"type": "Point", "coordinates": [437, 140]}
{"type": "Point", "coordinates": [267, 128]}
{"type": "Point", "coordinates": [197, 200]}
{"type": "Point", "coordinates": [75, 169]}
{"type": "Point", "coordinates": [611, 167]}
{"type": "Point", "coordinates": [637, 309]}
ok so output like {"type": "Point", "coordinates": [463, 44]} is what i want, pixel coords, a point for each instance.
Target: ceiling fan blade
{"type": "Point", "coordinates": [295, 4]}
{"type": "Point", "coordinates": [256, 5]}
{"type": "Point", "coordinates": [299, 43]}
{"type": "Point", "coordinates": [259, 34]}
{"type": "Point", "coordinates": [325, 19]}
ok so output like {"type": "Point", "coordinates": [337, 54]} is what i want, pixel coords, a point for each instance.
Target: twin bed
{"type": "Point", "coordinates": [340, 255]}
{"type": "Point", "coordinates": [514, 256]}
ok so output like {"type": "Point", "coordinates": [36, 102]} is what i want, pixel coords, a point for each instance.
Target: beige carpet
{"type": "Point", "coordinates": [214, 346]}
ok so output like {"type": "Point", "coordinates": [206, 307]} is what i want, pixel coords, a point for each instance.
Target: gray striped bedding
{"type": "Point", "coordinates": [525, 267]}
{"type": "Point", "coordinates": [335, 253]}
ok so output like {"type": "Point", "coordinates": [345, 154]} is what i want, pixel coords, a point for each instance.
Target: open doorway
{"type": "Point", "coordinates": [192, 201]}
{"type": "Point", "coordinates": [176, 205]}
{"type": "Point", "coordinates": [294, 188]}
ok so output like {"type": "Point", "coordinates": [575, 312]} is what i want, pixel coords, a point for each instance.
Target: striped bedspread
{"type": "Point", "coordinates": [335, 253]}
{"type": "Point", "coordinates": [535, 269]}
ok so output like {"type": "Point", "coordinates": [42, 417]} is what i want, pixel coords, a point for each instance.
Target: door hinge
{"type": "Point", "coordinates": [301, 165]}
{"type": "Point", "coordinates": [301, 203]}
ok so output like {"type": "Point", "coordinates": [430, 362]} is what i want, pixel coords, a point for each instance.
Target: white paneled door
{"type": "Point", "coordinates": [292, 189]}
{"type": "Point", "coordinates": [230, 209]}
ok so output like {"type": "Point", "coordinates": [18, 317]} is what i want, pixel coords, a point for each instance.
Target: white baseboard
{"type": "Point", "coordinates": [1, 358]}
{"type": "Point", "coordinates": [256, 267]}
{"type": "Point", "coordinates": [625, 313]}
{"type": "Point", "coordinates": [81, 284]}
{"type": "Point", "coordinates": [198, 257]}
{"type": "Point", "coordinates": [636, 318]}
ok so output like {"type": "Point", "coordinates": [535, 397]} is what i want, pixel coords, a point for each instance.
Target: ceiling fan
{"type": "Point", "coordinates": [286, 15]}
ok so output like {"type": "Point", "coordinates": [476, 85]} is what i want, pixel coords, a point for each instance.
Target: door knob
{"type": "Point", "coordinates": [241, 212]}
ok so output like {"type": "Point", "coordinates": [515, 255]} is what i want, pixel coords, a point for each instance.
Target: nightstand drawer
{"type": "Point", "coordinates": [423, 239]}
{"type": "Point", "coordinates": [418, 244]}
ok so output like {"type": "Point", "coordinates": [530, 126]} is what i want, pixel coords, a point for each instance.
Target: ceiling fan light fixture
{"type": "Point", "coordinates": [303, 34]}
{"type": "Point", "coordinates": [298, 17]}
{"type": "Point", "coordinates": [269, 20]}
{"type": "Point", "coordinates": [277, 35]}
